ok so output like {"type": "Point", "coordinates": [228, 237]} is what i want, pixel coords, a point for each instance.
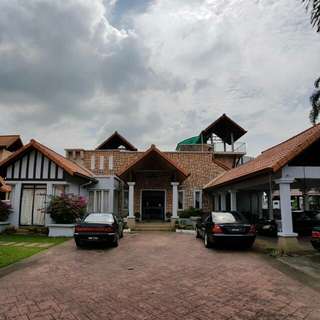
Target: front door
{"type": "Point", "coordinates": [32, 210]}
{"type": "Point", "coordinates": [153, 205]}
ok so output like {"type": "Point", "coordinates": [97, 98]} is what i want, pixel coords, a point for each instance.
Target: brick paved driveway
{"type": "Point", "coordinates": [153, 276]}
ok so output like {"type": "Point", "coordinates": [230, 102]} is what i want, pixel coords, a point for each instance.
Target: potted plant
{"type": "Point", "coordinates": [64, 210]}
{"type": "Point", "coordinates": [137, 216]}
{"type": "Point", "coordinates": [5, 210]}
{"type": "Point", "coordinates": [168, 216]}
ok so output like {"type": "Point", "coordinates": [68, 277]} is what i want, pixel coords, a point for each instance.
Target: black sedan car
{"type": "Point", "coordinates": [99, 228]}
{"type": "Point", "coordinates": [226, 228]}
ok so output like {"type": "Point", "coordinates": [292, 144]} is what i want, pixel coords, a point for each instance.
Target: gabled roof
{"type": "Point", "coordinates": [69, 166]}
{"type": "Point", "coordinates": [115, 141]}
{"type": "Point", "coordinates": [11, 142]}
{"type": "Point", "coordinates": [3, 186]}
{"type": "Point", "coordinates": [150, 155]}
{"type": "Point", "coordinates": [270, 160]}
{"type": "Point", "coordinates": [222, 128]}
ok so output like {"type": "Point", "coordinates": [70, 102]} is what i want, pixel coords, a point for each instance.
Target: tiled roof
{"type": "Point", "coordinates": [3, 186]}
{"type": "Point", "coordinates": [69, 166]}
{"type": "Point", "coordinates": [153, 150]}
{"type": "Point", "coordinates": [7, 140]}
{"type": "Point", "coordinates": [114, 141]}
{"type": "Point", "coordinates": [271, 159]}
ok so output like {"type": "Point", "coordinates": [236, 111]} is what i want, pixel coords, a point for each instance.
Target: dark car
{"type": "Point", "coordinates": [226, 228]}
{"type": "Point", "coordinates": [267, 227]}
{"type": "Point", "coordinates": [315, 240]}
{"type": "Point", "coordinates": [99, 228]}
{"type": "Point", "coordinates": [304, 222]}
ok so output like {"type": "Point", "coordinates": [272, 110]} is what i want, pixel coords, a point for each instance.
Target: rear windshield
{"type": "Point", "coordinates": [227, 217]}
{"type": "Point", "coordinates": [99, 218]}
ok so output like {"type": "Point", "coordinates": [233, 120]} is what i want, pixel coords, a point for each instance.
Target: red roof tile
{"type": "Point", "coordinates": [271, 159]}
{"type": "Point", "coordinates": [153, 150]}
{"type": "Point", "coordinates": [69, 166]}
{"type": "Point", "coordinates": [6, 141]}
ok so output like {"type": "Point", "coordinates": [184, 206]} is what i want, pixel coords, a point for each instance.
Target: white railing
{"type": "Point", "coordinates": [237, 147]}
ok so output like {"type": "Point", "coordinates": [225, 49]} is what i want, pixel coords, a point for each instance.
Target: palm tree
{"type": "Point", "coordinates": [314, 7]}
{"type": "Point", "coordinates": [315, 103]}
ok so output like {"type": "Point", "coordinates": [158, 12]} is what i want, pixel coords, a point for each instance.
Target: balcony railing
{"type": "Point", "coordinates": [217, 146]}
{"type": "Point", "coordinates": [238, 147]}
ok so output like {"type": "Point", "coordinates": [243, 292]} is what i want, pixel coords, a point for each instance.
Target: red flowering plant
{"type": "Point", "coordinates": [5, 210]}
{"type": "Point", "coordinates": [66, 208]}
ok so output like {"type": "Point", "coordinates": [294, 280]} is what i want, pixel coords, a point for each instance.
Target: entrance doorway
{"type": "Point", "coordinates": [32, 208]}
{"type": "Point", "coordinates": [153, 205]}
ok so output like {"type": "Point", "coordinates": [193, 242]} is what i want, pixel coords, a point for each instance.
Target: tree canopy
{"type": "Point", "coordinates": [314, 7]}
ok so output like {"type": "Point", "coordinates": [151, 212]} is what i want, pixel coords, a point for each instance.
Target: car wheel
{"type": "Point", "coordinates": [115, 243]}
{"type": "Point", "coordinates": [197, 233]}
{"type": "Point", "coordinates": [248, 245]}
{"type": "Point", "coordinates": [79, 244]}
{"type": "Point", "coordinates": [207, 242]}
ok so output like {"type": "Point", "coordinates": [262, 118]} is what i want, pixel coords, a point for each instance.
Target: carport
{"type": "Point", "coordinates": [291, 165]}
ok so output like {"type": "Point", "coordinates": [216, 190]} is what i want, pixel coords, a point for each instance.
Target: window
{"type": "Point", "coordinates": [99, 218]}
{"type": "Point", "coordinates": [101, 164]}
{"type": "Point", "coordinates": [111, 163]}
{"type": "Point", "coordinates": [98, 201]}
{"type": "Point", "coordinates": [197, 199]}
{"type": "Point", "coordinates": [92, 162]}
{"type": "Point", "coordinates": [125, 201]}
{"type": "Point", "coordinates": [59, 189]}
{"type": "Point", "coordinates": [180, 200]}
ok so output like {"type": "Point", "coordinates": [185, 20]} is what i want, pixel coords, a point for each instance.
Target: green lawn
{"type": "Point", "coordinates": [10, 254]}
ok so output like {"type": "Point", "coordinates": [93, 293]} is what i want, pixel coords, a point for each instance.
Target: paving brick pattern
{"type": "Point", "coordinates": [153, 276]}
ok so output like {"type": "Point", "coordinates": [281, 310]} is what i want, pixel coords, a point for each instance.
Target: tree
{"type": "Point", "coordinates": [314, 7]}
{"type": "Point", "coordinates": [315, 103]}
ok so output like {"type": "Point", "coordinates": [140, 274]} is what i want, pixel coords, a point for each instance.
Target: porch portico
{"type": "Point", "coordinates": [153, 181]}
{"type": "Point", "coordinates": [291, 165]}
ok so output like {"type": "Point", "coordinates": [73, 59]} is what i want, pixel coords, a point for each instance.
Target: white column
{"type": "Point", "coordinates": [174, 199]}
{"type": "Point", "coordinates": [233, 200]}
{"type": "Point", "coordinates": [111, 201]}
{"type": "Point", "coordinates": [216, 202]}
{"type": "Point", "coordinates": [223, 201]}
{"type": "Point", "coordinates": [270, 205]}
{"type": "Point", "coordinates": [48, 219]}
{"type": "Point", "coordinates": [285, 206]}
{"type": "Point", "coordinates": [131, 199]}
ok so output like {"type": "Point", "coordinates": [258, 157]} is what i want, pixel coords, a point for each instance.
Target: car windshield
{"type": "Point", "coordinates": [99, 218]}
{"type": "Point", "coordinates": [227, 217]}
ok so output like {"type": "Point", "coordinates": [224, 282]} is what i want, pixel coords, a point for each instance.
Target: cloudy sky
{"type": "Point", "coordinates": [158, 71]}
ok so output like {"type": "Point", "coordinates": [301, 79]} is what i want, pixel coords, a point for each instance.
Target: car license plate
{"type": "Point", "coordinates": [235, 230]}
{"type": "Point", "coordinates": [93, 238]}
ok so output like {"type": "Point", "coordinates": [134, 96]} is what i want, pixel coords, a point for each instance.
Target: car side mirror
{"type": "Point", "coordinates": [78, 220]}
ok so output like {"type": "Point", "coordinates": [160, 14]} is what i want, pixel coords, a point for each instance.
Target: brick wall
{"type": "Point", "coordinates": [200, 165]}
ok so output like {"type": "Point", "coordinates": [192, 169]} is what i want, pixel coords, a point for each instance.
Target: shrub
{"type": "Point", "coordinates": [190, 212]}
{"type": "Point", "coordinates": [5, 210]}
{"type": "Point", "coordinates": [66, 208]}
